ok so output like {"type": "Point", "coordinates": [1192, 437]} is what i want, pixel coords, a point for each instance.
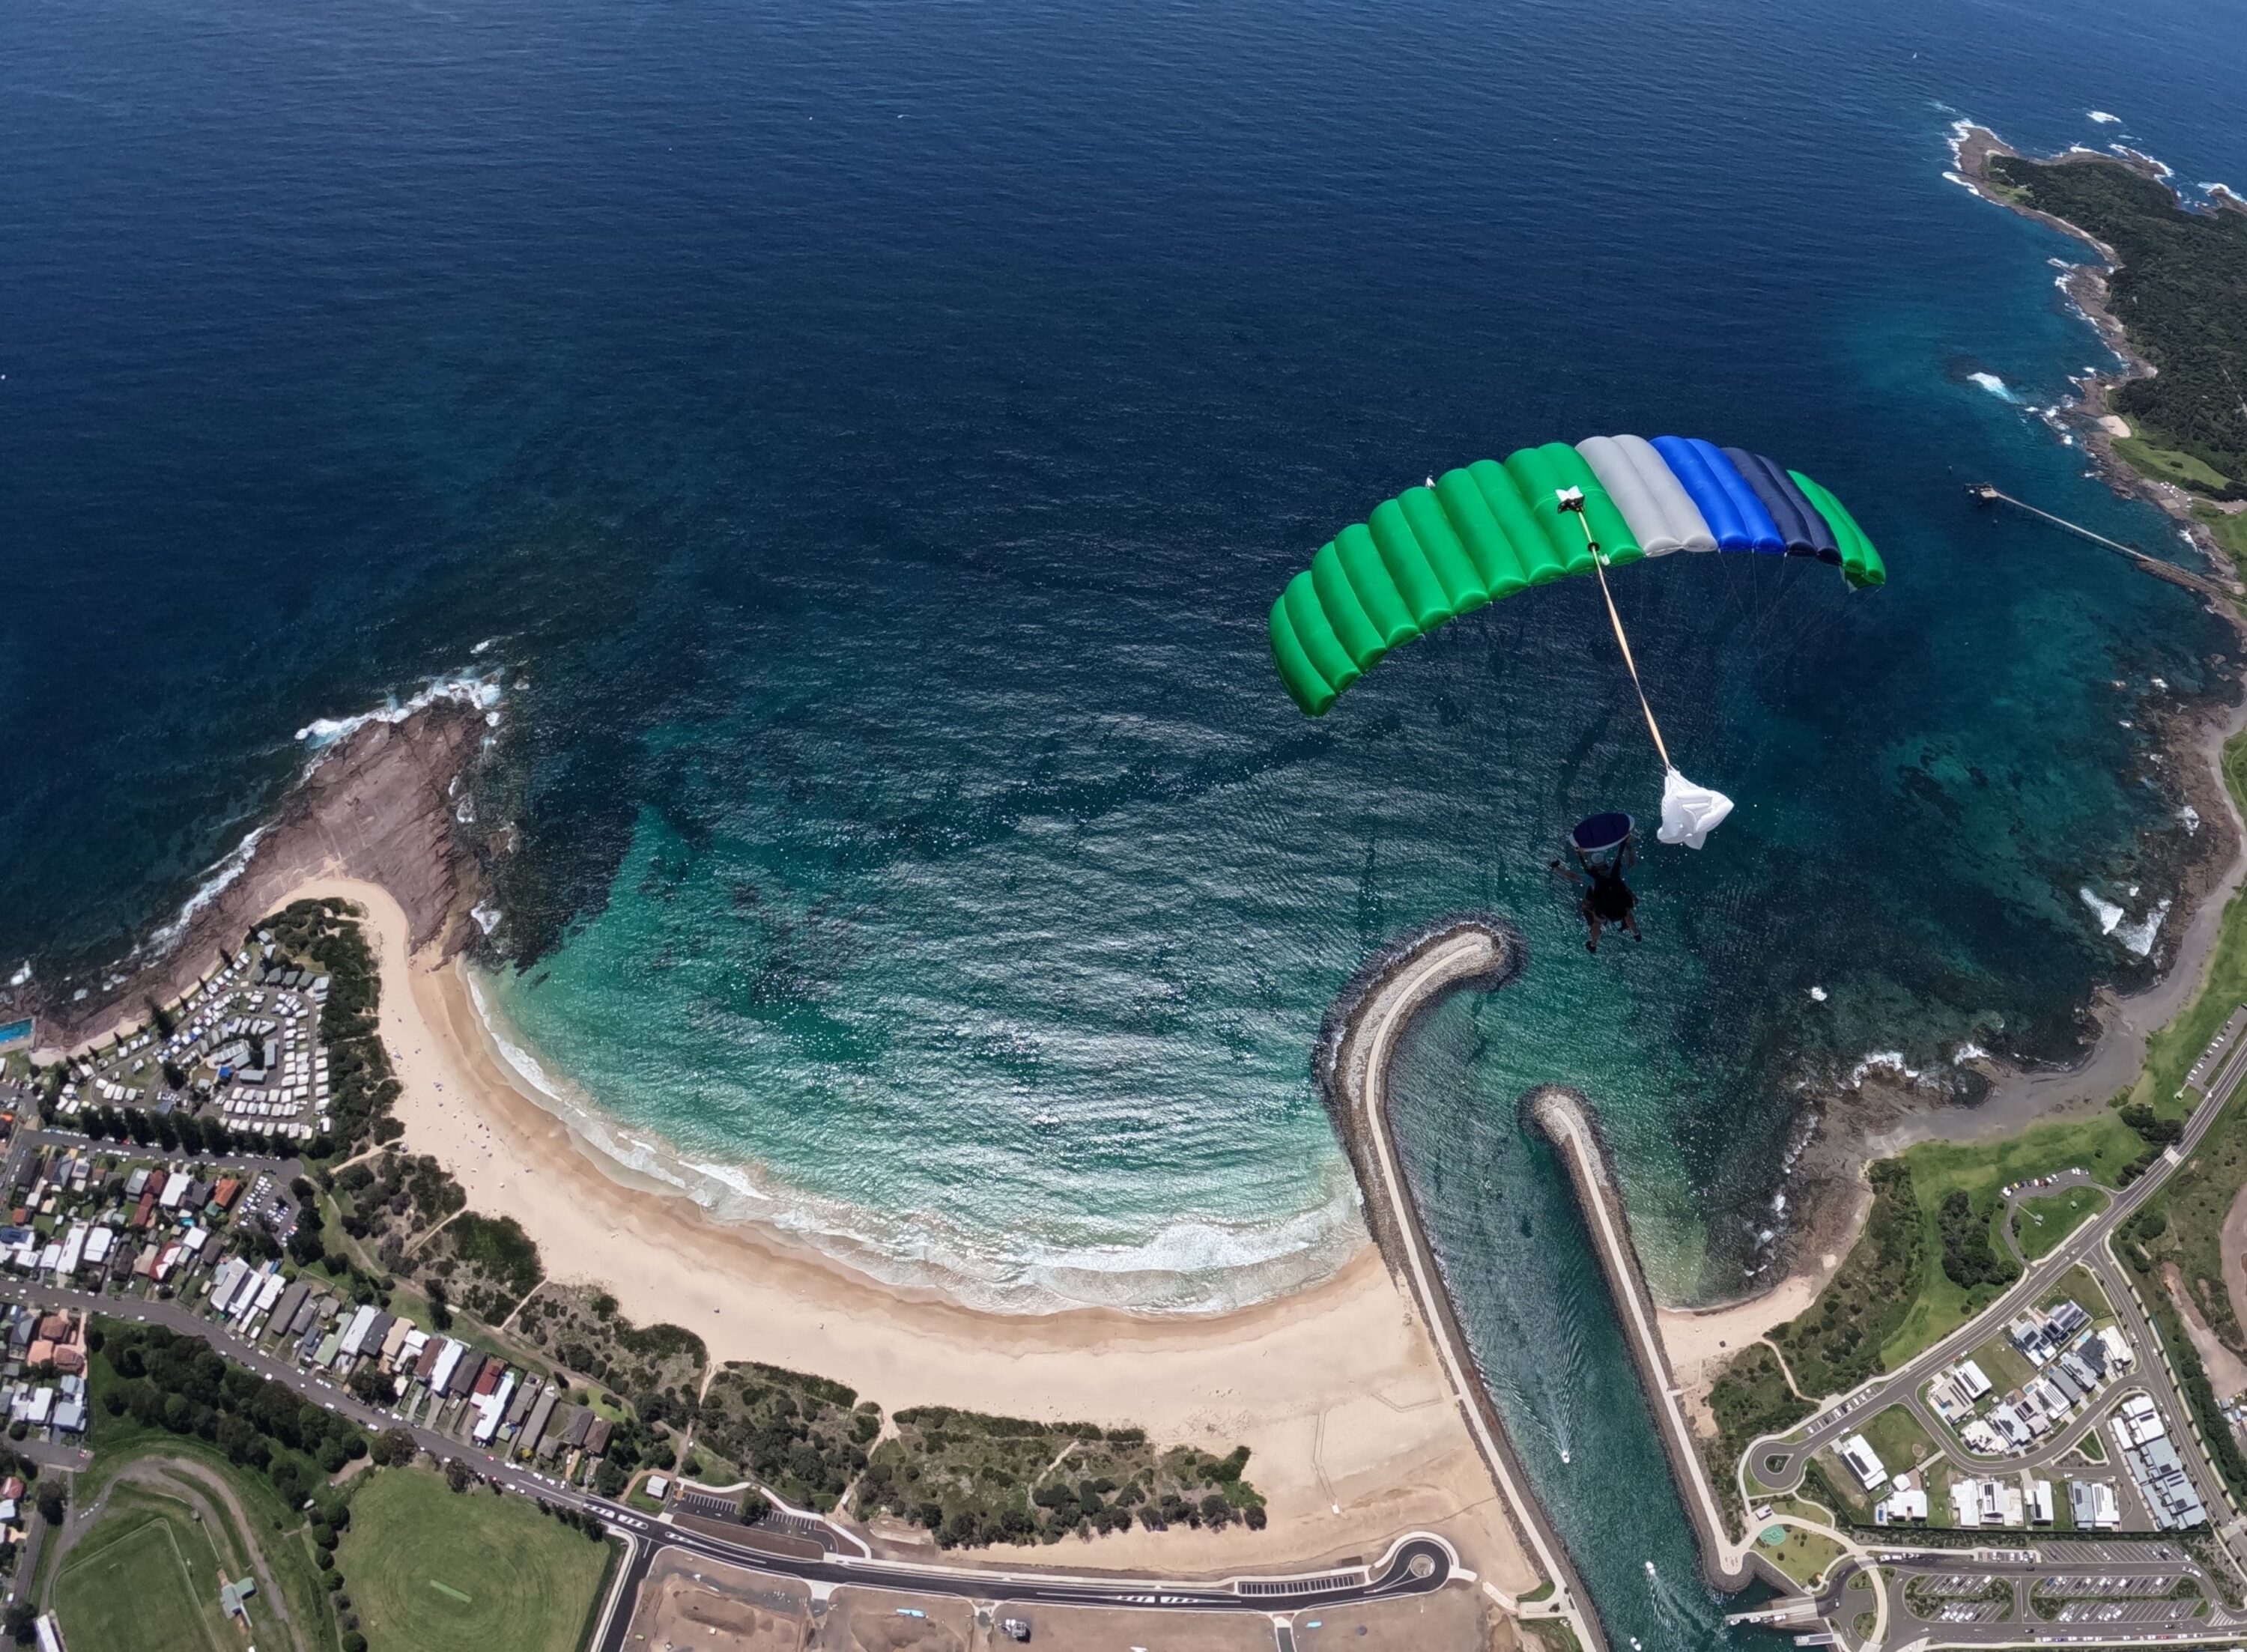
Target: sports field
{"type": "Point", "coordinates": [145, 1580]}
{"type": "Point", "coordinates": [429, 1566]}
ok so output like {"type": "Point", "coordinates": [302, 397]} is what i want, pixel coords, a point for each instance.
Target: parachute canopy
{"type": "Point", "coordinates": [1491, 530]}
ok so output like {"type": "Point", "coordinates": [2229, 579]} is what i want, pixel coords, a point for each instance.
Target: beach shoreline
{"type": "Point", "coordinates": [1334, 1389]}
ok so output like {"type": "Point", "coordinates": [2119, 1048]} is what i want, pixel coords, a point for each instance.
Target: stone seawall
{"type": "Point", "coordinates": [1356, 1046]}
{"type": "Point", "coordinates": [1565, 1118]}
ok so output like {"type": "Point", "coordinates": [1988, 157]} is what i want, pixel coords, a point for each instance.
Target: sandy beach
{"type": "Point", "coordinates": [1336, 1391]}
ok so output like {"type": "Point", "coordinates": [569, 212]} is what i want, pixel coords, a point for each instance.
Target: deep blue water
{"type": "Point", "coordinates": [871, 439]}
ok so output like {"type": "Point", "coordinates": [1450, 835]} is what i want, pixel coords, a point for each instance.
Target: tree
{"type": "Point", "coordinates": [755, 1506]}
{"type": "Point", "coordinates": [369, 1386]}
{"type": "Point", "coordinates": [394, 1448]}
{"type": "Point", "coordinates": [19, 1620]}
{"type": "Point", "coordinates": [52, 1500]}
{"type": "Point", "coordinates": [457, 1474]}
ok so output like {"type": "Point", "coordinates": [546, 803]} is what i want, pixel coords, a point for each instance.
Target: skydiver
{"type": "Point", "coordinates": [1608, 900]}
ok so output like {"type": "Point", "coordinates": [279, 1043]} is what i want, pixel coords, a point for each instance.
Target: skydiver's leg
{"type": "Point", "coordinates": [1592, 945]}
{"type": "Point", "coordinates": [1631, 923]}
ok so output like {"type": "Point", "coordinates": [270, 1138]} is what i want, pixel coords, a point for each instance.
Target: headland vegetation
{"type": "Point", "coordinates": [2168, 294]}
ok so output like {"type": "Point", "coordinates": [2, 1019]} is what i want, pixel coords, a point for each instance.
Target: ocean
{"type": "Point", "coordinates": [865, 443]}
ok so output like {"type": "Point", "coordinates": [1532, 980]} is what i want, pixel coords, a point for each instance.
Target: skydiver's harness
{"type": "Point", "coordinates": [1689, 813]}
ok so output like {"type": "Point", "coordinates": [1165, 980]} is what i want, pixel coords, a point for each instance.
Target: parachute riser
{"type": "Point", "coordinates": [1571, 500]}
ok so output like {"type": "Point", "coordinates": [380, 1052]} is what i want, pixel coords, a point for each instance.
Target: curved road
{"type": "Point", "coordinates": [1416, 1564]}
{"type": "Point", "coordinates": [1777, 1465]}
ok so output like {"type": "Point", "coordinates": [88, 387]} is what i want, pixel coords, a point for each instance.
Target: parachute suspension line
{"type": "Point", "coordinates": [1572, 499]}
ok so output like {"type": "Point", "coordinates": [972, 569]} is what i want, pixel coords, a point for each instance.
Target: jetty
{"type": "Point", "coordinates": [1987, 493]}
{"type": "Point", "coordinates": [1356, 1046]}
{"type": "Point", "coordinates": [1566, 1119]}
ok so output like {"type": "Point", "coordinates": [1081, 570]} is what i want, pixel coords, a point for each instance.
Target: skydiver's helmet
{"type": "Point", "coordinates": [1610, 835]}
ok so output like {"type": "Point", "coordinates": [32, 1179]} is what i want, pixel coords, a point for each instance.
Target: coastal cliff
{"type": "Point", "coordinates": [385, 804]}
{"type": "Point", "coordinates": [2163, 297]}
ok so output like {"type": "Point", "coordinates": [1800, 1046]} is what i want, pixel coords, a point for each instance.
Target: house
{"type": "Point", "coordinates": [1862, 1461]}
{"type": "Point", "coordinates": [1906, 1503]}
{"type": "Point", "coordinates": [597, 1436]}
{"type": "Point", "coordinates": [234, 1599]}
{"type": "Point", "coordinates": [285, 1311]}
{"type": "Point", "coordinates": [228, 1277]}
{"type": "Point", "coordinates": [1971, 1381]}
{"type": "Point", "coordinates": [2040, 1502]}
{"type": "Point", "coordinates": [347, 1345]}
{"type": "Point", "coordinates": [490, 1405]}
{"type": "Point", "coordinates": [540, 1414]}
{"type": "Point", "coordinates": [2093, 1504]}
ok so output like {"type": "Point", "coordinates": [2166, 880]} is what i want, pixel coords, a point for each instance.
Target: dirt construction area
{"type": "Point", "coordinates": [689, 1602]}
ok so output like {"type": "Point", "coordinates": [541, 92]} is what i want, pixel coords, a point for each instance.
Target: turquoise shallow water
{"type": "Point", "coordinates": [870, 439]}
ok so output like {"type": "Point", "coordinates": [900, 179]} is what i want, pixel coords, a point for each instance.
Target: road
{"type": "Point", "coordinates": [1779, 1464]}
{"type": "Point", "coordinates": [1418, 1563]}
{"type": "Point", "coordinates": [21, 1146]}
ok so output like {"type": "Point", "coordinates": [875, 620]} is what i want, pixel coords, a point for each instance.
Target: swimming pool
{"type": "Point", "coordinates": [13, 1033]}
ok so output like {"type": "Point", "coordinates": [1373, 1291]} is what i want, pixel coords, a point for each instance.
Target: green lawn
{"type": "Point", "coordinates": [2167, 464]}
{"type": "Point", "coordinates": [1898, 1440]}
{"type": "Point", "coordinates": [2183, 1220]}
{"type": "Point", "coordinates": [2230, 528]}
{"type": "Point", "coordinates": [429, 1566]}
{"type": "Point", "coordinates": [2102, 1144]}
{"type": "Point", "coordinates": [2078, 1285]}
{"type": "Point", "coordinates": [2040, 1225]}
{"type": "Point", "coordinates": [145, 1580]}
{"type": "Point", "coordinates": [2002, 1363]}
{"type": "Point", "coordinates": [1804, 1555]}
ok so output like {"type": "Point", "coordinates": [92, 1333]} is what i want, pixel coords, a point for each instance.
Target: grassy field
{"type": "Point", "coordinates": [2100, 1144]}
{"type": "Point", "coordinates": [2040, 1225]}
{"type": "Point", "coordinates": [432, 1567]}
{"type": "Point", "coordinates": [1898, 1440]}
{"type": "Point", "coordinates": [1804, 1555]}
{"type": "Point", "coordinates": [2002, 1363]}
{"type": "Point", "coordinates": [2182, 1222]}
{"type": "Point", "coordinates": [2167, 464]}
{"type": "Point", "coordinates": [2229, 529]}
{"type": "Point", "coordinates": [2078, 1285]}
{"type": "Point", "coordinates": [145, 1580]}
{"type": "Point", "coordinates": [280, 1530]}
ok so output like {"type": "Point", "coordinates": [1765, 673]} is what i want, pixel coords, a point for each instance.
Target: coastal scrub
{"type": "Point", "coordinates": [976, 1480]}
{"type": "Point", "coordinates": [2180, 290]}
